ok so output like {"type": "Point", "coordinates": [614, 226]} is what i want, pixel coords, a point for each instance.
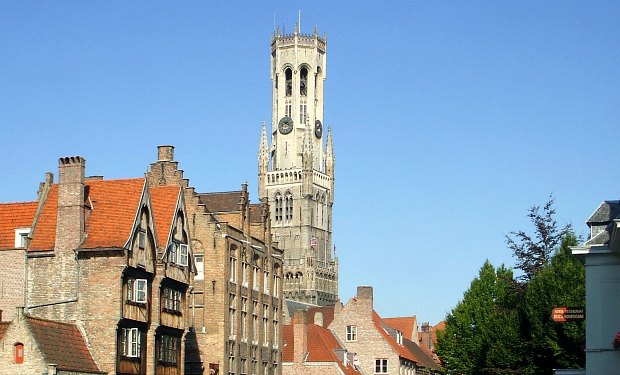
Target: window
{"type": "Point", "coordinates": [289, 207]}
{"type": "Point", "coordinates": [200, 268]}
{"type": "Point", "coordinates": [266, 282]}
{"type": "Point", "coordinates": [275, 327]}
{"type": "Point", "coordinates": [351, 333]}
{"type": "Point", "coordinates": [276, 285]}
{"type": "Point", "coordinates": [19, 353]}
{"type": "Point", "coordinates": [130, 342]}
{"type": "Point", "coordinates": [303, 82]}
{"type": "Point", "coordinates": [21, 237]}
{"type": "Point", "coordinates": [231, 313]}
{"type": "Point", "coordinates": [278, 211]}
{"type": "Point", "coordinates": [288, 73]}
{"type": "Point", "coordinates": [169, 349]}
{"type": "Point", "coordinates": [137, 290]}
{"type": "Point", "coordinates": [265, 325]}
{"type": "Point", "coordinates": [244, 273]}
{"type": "Point", "coordinates": [244, 319]}
{"type": "Point", "coordinates": [233, 267]}
{"type": "Point", "coordinates": [303, 112]}
{"type": "Point", "coordinates": [178, 254]}
{"type": "Point", "coordinates": [255, 276]}
{"type": "Point", "coordinates": [381, 366]}
{"type": "Point", "coordinates": [141, 239]}
{"type": "Point", "coordinates": [399, 337]}
{"type": "Point", "coordinates": [172, 299]}
{"type": "Point", "coordinates": [255, 322]}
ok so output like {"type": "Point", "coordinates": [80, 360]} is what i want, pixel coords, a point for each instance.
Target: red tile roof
{"type": "Point", "coordinates": [400, 349]}
{"type": "Point", "coordinates": [62, 344]}
{"type": "Point", "coordinates": [13, 216]}
{"type": "Point", "coordinates": [111, 207]}
{"type": "Point", "coordinates": [164, 202]}
{"type": "Point", "coordinates": [405, 325]}
{"type": "Point", "coordinates": [321, 346]}
{"type": "Point", "coordinates": [327, 311]}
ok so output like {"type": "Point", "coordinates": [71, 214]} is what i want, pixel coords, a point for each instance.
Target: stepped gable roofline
{"type": "Point", "coordinates": [164, 201]}
{"type": "Point", "coordinates": [382, 327]}
{"type": "Point", "coordinates": [63, 345]}
{"type": "Point", "coordinates": [605, 213]}
{"type": "Point", "coordinates": [13, 216]}
{"type": "Point", "coordinates": [111, 208]}
{"type": "Point", "coordinates": [321, 346]}
{"type": "Point", "coordinates": [406, 325]}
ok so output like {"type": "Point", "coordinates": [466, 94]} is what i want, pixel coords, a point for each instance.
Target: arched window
{"type": "Point", "coordinates": [288, 74]}
{"type": "Point", "coordinates": [278, 201]}
{"type": "Point", "coordinates": [289, 206]}
{"type": "Point", "coordinates": [19, 353]}
{"type": "Point", "coordinates": [303, 82]}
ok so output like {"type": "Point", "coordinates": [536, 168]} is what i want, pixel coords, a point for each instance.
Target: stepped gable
{"type": "Point", "coordinates": [62, 344]}
{"type": "Point", "coordinates": [164, 201]}
{"type": "Point", "coordinates": [13, 216]}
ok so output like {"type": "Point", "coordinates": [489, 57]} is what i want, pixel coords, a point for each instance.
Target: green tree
{"type": "Point", "coordinates": [560, 283]}
{"type": "Point", "coordinates": [533, 252]}
{"type": "Point", "coordinates": [482, 334]}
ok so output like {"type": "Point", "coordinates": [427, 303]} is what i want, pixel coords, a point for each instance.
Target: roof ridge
{"type": "Point", "coordinates": [50, 321]}
{"type": "Point", "coordinates": [19, 202]}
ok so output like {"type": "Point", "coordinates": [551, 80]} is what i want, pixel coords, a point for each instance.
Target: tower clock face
{"type": "Point", "coordinates": [318, 129]}
{"type": "Point", "coordinates": [285, 125]}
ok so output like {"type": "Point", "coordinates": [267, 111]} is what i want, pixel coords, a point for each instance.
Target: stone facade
{"type": "Point", "coordinates": [296, 172]}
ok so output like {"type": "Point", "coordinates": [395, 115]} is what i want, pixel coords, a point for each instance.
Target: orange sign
{"type": "Point", "coordinates": [568, 314]}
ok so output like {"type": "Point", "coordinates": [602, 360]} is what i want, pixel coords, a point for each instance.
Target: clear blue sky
{"type": "Point", "coordinates": [449, 119]}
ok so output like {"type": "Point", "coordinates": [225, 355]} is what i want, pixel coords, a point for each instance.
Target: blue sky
{"type": "Point", "coordinates": [450, 119]}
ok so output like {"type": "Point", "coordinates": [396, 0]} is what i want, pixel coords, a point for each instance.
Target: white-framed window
{"type": "Point", "coordinates": [399, 337]}
{"type": "Point", "coordinates": [255, 277]}
{"type": "Point", "coordinates": [244, 319]}
{"type": "Point", "coordinates": [233, 267]}
{"type": "Point", "coordinates": [266, 282]}
{"type": "Point", "coordinates": [276, 286]}
{"type": "Point", "coordinates": [275, 327]}
{"type": "Point", "coordinates": [381, 366]}
{"type": "Point", "coordinates": [244, 271]}
{"type": "Point", "coordinates": [169, 349]}
{"type": "Point", "coordinates": [172, 299]}
{"type": "Point", "coordinates": [21, 237]}
{"type": "Point", "coordinates": [265, 325]}
{"type": "Point", "coordinates": [351, 333]}
{"type": "Point", "coordinates": [200, 267]}
{"type": "Point", "coordinates": [183, 255]}
{"type": "Point", "coordinates": [137, 290]}
{"type": "Point", "coordinates": [130, 342]}
{"type": "Point", "coordinates": [231, 312]}
{"type": "Point", "coordinates": [178, 254]}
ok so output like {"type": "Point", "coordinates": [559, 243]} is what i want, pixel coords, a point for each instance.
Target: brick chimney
{"type": "Point", "coordinates": [364, 296]}
{"type": "Point", "coordinates": [70, 225]}
{"type": "Point", "coordinates": [165, 153]}
{"type": "Point", "coordinates": [300, 332]}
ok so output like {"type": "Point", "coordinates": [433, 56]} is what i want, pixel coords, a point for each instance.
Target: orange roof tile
{"type": "Point", "coordinates": [401, 350]}
{"type": "Point", "coordinates": [62, 344]}
{"type": "Point", "coordinates": [327, 311]}
{"type": "Point", "coordinates": [13, 216]}
{"type": "Point", "coordinates": [321, 346]}
{"type": "Point", "coordinates": [405, 325]}
{"type": "Point", "coordinates": [111, 211]}
{"type": "Point", "coordinates": [164, 203]}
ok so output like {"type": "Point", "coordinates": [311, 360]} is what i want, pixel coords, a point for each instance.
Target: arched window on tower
{"type": "Point", "coordinates": [278, 200]}
{"type": "Point", "coordinates": [289, 206]}
{"type": "Point", "coordinates": [303, 82]}
{"type": "Point", "coordinates": [288, 74]}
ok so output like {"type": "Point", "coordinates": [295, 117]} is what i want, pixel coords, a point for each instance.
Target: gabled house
{"type": "Point", "coordinates": [312, 349]}
{"type": "Point", "coordinates": [379, 347]}
{"type": "Point", "coordinates": [112, 257]}
{"type": "Point", "coordinates": [40, 346]}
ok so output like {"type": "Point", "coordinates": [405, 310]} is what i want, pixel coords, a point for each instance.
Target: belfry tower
{"type": "Point", "coordinates": [296, 172]}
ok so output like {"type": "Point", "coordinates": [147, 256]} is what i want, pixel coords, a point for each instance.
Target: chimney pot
{"type": "Point", "coordinates": [165, 153]}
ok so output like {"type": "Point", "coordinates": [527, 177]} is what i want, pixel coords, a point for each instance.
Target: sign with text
{"type": "Point", "coordinates": [568, 314]}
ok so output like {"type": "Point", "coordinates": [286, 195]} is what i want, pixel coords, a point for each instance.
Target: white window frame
{"type": "Point", "coordinates": [183, 251]}
{"type": "Point", "coordinates": [381, 366]}
{"type": "Point", "coordinates": [200, 267]}
{"type": "Point", "coordinates": [21, 234]}
{"type": "Point", "coordinates": [137, 290]}
{"type": "Point", "coordinates": [351, 334]}
{"type": "Point", "coordinates": [130, 342]}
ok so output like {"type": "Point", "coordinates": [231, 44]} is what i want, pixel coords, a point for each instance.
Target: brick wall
{"type": "Point", "coordinates": [33, 360]}
{"type": "Point", "coordinates": [12, 275]}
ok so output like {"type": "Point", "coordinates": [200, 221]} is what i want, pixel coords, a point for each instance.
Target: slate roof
{"type": "Point", "coordinates": [221, 202]}
{"type": "Point", "coordinates": [164, 202]}
{"type": "Point", "coordinates": [111, 207]}
{"type": "Point", "coordinates": [405, 325]}
{"type": "Point", "coordinates": [606, 212]}
{"type": "Point", "coordinates": [62, 344]}
{"type": "Point", "coordinates": [423, 358]}
{"type": "Point", "coordinates": [321, 346]}
{"type": "Point", "coordinates": [13, 216]}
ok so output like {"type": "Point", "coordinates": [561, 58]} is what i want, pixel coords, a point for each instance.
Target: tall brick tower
{"type": "Point", "coordinates": [296, 172]}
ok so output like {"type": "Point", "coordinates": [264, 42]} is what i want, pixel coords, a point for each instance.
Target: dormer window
{"type": "Point", "coordinates": [178, 254]}
{"type": "Point", "coordinates": [141, 239]}
{"type": "Point", "coordinates": [21, 237]}
{"type": "Point", "coordinates": [399, 337]}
